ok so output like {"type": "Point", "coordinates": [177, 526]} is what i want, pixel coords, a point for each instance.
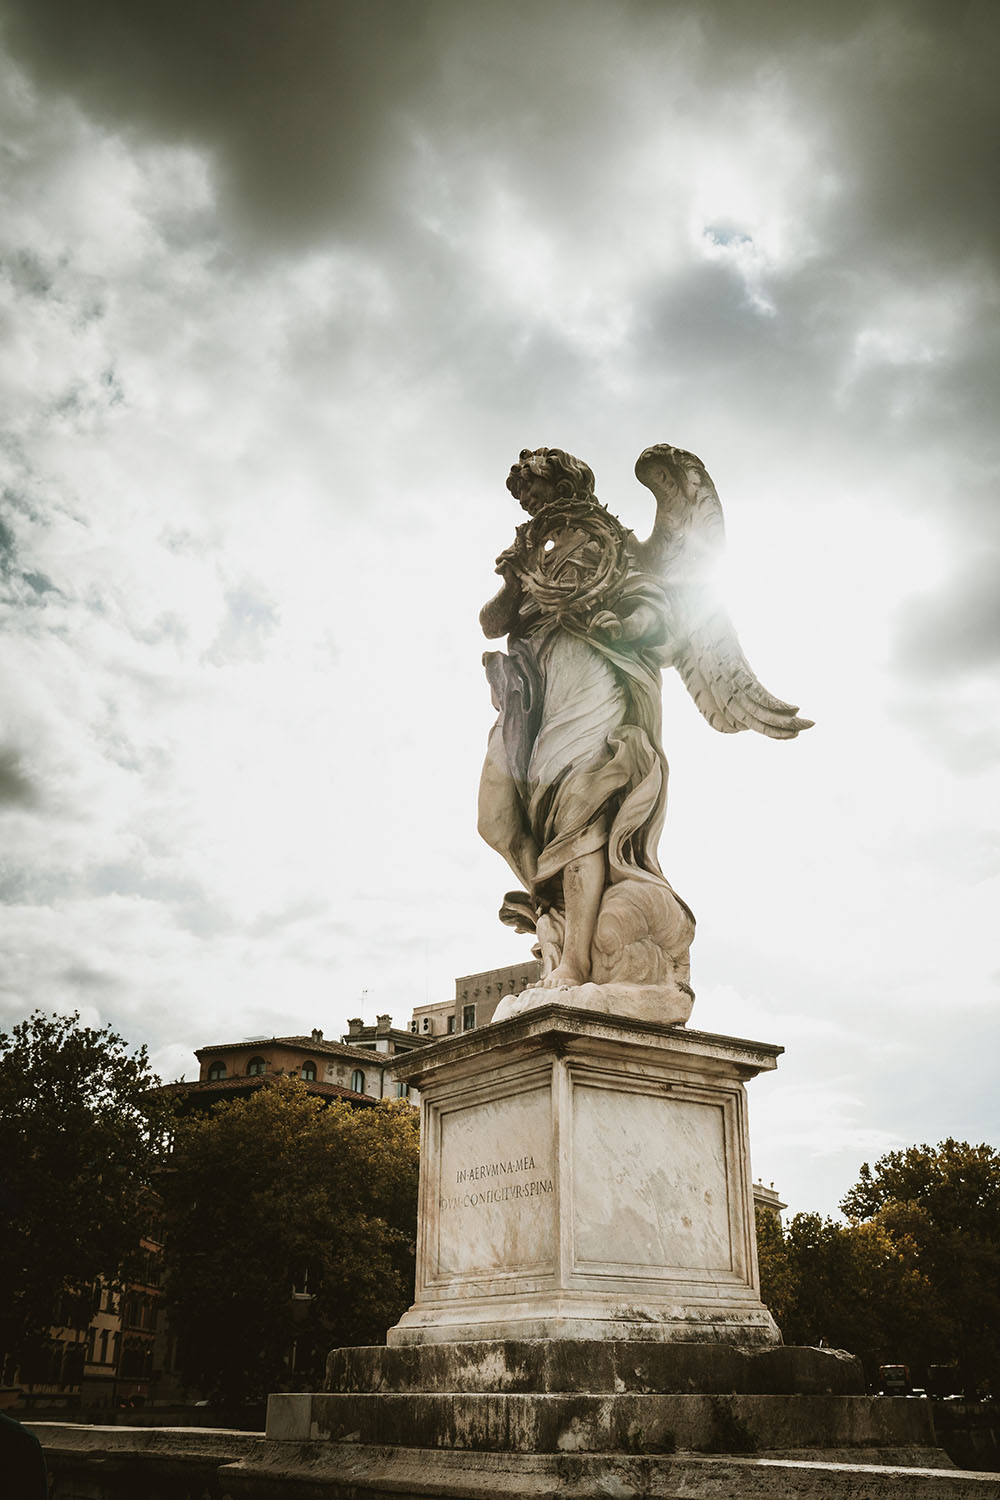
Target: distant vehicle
{"type": "Point", "coordinates": [894, 1380]}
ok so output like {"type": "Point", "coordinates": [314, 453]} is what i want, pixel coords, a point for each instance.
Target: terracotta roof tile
{"type": "Point", "coordinates": [241, 1082]}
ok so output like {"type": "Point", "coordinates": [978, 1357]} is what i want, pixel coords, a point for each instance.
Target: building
{"type": "Point", "coordinates": [357, 1068]}
{"type": "Point", "coordinates": [767, 1199]}
{"type": "Point", "coordinates": [476, 998]}
{"type": "Point", "coordinates": [384, 1041]}
{"type": "Point", "coordinates": [107, 1346]}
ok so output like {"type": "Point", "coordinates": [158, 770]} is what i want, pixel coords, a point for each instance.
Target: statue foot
{"type": "Point", "coordinates": [563, 977]}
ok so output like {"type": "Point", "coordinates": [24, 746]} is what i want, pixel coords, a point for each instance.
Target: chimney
{"type": "Point", "coordinates": [383, 1024]}
{"type": "Point", "coordinates": [354, 1027]}
{"type": "Point", "coordinates": [317, 1036]}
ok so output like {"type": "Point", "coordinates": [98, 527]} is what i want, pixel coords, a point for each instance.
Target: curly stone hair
{"type": "Point", "coordinates": [571, 475]}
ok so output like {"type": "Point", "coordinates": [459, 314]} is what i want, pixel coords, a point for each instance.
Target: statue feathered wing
{"type": "Point", "coordinates": [687, 538]}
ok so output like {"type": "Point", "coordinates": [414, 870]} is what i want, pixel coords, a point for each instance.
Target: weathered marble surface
{"type": "Point", "coordinates": [585, 1177]}
{"type": "Point", "coordinates": [125, 1463]}
{"type": "Point", "coordinates": [595, 1367]}
{"type": "Point", "coordinates": [337, 1471]}
{"type": "Point", "coordinates": [573, 791]}
{"type": "Point", "coordinates": [621, 1422]}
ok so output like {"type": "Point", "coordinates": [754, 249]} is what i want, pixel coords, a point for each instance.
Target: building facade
{"type": "Point", "coordinates": [357, 1068]}
{"type": "Point", "coordinates": [767, 1199]}
{"type": "Point", "coordinates": [476, 998]}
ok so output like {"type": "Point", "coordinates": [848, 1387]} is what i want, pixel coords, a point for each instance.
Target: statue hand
{"type": "Point", "coordinates": [505, 562]}
{"type": "Point", "coordinates": [608, 623]}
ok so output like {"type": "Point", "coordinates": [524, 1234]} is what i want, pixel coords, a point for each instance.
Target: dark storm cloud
{"type": "Point", "coordinates": [295, 99]}
{"type": "Point", "coordinates": [909, 88]}
{"type": "Point", "coordinates": [329, 114]}
{"type": "Point", "coordinates": [16, 788]}
{"type": "Point", "coordinates": [309, 104]}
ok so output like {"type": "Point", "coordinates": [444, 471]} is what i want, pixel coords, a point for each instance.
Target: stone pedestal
{"type": "Point", "coordinates": [587, 1318]}
{"type": "Point", "coordinates": [585, 1177]}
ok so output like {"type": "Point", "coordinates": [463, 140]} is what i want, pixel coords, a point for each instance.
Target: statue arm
{"type": "Point", "coordinates": [642, 625]}
{"type": "Point", "coordinates": [499, 615]}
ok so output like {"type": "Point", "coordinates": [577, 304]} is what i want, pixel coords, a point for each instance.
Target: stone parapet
{"type": "Point", "coordinates": [328, 1471]}
{"type": "Point", "coordinates": [175, 1464]}
{"type": "Point", "coordinates": [137, 1463]}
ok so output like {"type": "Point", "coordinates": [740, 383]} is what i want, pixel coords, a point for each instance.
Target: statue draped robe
{"type": "Point", "coordinates": [574, 762]}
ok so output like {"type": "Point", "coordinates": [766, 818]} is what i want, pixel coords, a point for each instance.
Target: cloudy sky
{"type": "Point", "coordinates": [284, 288]}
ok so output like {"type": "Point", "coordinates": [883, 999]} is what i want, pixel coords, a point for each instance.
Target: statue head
{"type": "Point", "coordinates": [545, 474]}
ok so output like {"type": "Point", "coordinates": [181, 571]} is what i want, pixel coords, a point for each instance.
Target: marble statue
{"type": "Point", "coordinates": [573, 790]}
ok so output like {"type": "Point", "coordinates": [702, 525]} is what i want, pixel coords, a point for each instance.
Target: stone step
{"type": "Point", "coordinates": [626, 1423]}
{"type": "Point", "coordinates": [595, 1366]}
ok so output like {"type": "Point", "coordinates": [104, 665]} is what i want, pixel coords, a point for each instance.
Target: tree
{"type": "Point", "coordinates": [77, 1143]}
{"type": "Point", "coordinates": [855, 1287]}
{"type": "Point", "coordinates": [945, 1201]}
{"type": "Point", "coordinates": [280, 1194]}
{"type": "Point", "coordinates": [913, 1277]}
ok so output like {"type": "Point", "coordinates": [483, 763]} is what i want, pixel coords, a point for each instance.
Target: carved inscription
{"type": "Point", "coordinates": [507, 1192]}
{"type": "Point", "coordinates": [495, 1169]}
{"type": "Point", "coordinates": [495, 1197]}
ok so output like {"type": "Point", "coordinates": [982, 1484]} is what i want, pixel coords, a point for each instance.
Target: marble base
{"type": "Point", "coordinates": [661, 1004]}
{"type": "Point", "coordinates": [598, 1367]}
{"type": "Point", "coordinates": [607, 1424]}
{"type": "Point", "coordinates": [458, 1419]}
{"type": "Point", "coordinates": [585, 1176]}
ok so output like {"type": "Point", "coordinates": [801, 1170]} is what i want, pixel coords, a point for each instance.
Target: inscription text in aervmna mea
{"type": "Point", "coordinates": [495, 1169]}
{"type": "Point", "coordinates": [498, 1192]}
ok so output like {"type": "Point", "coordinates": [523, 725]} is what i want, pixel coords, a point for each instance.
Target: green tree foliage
{"type": "Point", "coordinates": [945, 1202]}
{"type": "Point", "coordinates": [851, 1287]}
{"type": "Point", "coordinates": [282, 1193]}
{"type": "Point", "coordinates": [78, 1152]}
{"type": "Point", "coordinates": [913, 1277]}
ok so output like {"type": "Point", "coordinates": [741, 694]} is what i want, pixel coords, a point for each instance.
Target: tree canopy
{"type": "Point", "coordinates": [78, 1151]}
{"type": "Point", "coordinates": [944, 1202]}
{"type": "Point", "coordinates": [914, 1275]}
{"type": "Point", "coordinates": [291, 1230]}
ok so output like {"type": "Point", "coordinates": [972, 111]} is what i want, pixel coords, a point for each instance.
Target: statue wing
{"type": "Point", "coordinates": [721, 680]}
{"type": "Point", "coordinates": [687, 539]}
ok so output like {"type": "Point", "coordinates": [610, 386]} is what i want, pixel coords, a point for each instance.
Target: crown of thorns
{"type": "Point", "coordinates": [574, 556]}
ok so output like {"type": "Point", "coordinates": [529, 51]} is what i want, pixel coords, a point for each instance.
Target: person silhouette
{"type": "Point", "coordinates": [22, 1463]}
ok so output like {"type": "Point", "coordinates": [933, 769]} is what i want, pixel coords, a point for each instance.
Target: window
{"type": "Point", "coordinates": [309, 1072]}
{"type": "Point", "coordinates": [468, 1017]}
{"type": "Point", "coordinates": [402, 1089]}
{"type": "Point", "coordinates": [216, 1071]}
{"type": "Point", "coordinates": [451, 1025]}
{"type": "Point", "coordinates": [358, 1081]}
{"type": "Point", "coordinates": [256, 1067]}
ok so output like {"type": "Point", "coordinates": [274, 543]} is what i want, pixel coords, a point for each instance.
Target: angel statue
{"type": "Point", "coordinates": [573, 791]}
